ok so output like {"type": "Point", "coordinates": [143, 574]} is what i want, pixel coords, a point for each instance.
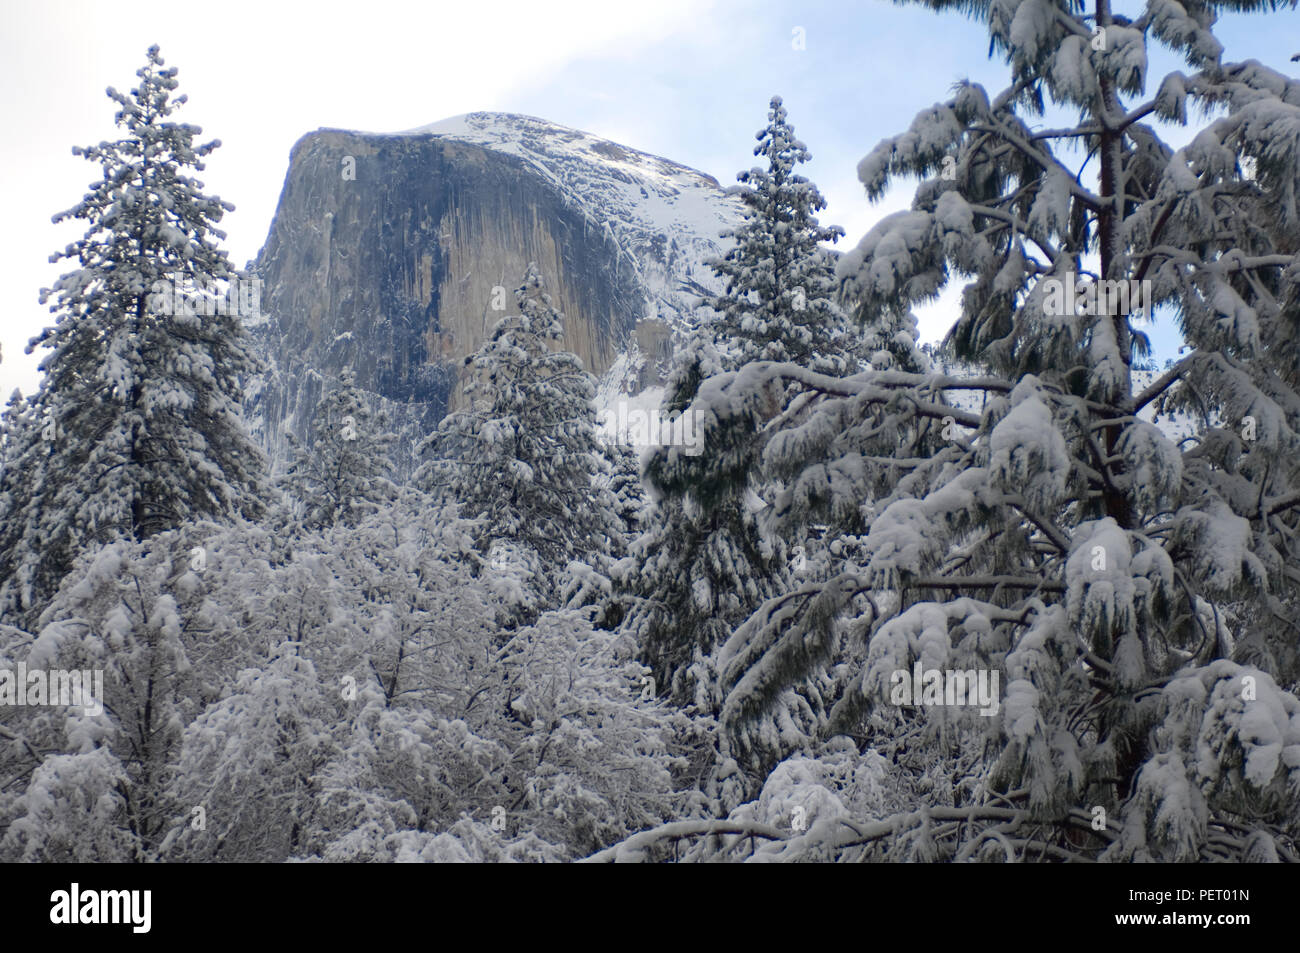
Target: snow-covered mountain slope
{"type": "Point", "coordinates": [661, 217]}
{"type": "Point", "coordinates": [396, 252]}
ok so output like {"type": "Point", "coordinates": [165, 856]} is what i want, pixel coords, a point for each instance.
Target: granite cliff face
{"type": "Point", "coordinates": [394, 254]}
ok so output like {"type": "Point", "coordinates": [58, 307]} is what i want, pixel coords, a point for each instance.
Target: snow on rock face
{"type": "Point", "coordinates": [393, 253]}
{"type": "Point", "coordinates": [662, 216]}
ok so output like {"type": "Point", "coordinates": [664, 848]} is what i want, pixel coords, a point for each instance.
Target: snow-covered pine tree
{"type": "Point", "coordinates": [139, 406]}
{"type": "Point", "coordinates": [591, 581]}
{"type": "Point", "coordinates": [704, 563]}
{"type": "Point", "coordinates": [344, 468]}
{"type": "Point", "coordinates": [624, 478]}
{"type": "Point", "coordinates": [17, 423]}
{"type": "Point", "coordinates": [781, 304]}
{"type": "Point", "coordinates": [780, 298]}
{"type": "Point", "coordinates": [522, 455]}
{"type": "Point", "coordinates": [1131, 591]}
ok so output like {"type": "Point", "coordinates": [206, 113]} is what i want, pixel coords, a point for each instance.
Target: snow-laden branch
{"type": "Point", "coordinates": [985, 582]}
{"type": "Point", "coordinates": [636, 848]}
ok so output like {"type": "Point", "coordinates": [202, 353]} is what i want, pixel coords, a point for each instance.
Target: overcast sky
{"type": "Point", "coordinates": [685, 80]}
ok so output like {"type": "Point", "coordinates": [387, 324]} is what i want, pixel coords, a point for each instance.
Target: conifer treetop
{"type": "Point", "coordinates": [779, 302]}
{"type": "Point", "coordinates": [139, 409]}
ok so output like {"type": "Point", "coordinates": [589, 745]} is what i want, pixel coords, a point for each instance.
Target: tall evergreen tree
{"type": "Point", "coordinates": [624, 478]}
{"type": "Point", "coordinates": [139, 408]}
{"type": "Point", "coordinates": [704, 563]}
{"type": "Point", "coordinates": [780, 298]}
{"type": "Point", "coordinates": [522, 456]}
{"type": "Point", "coordinates": [705, 560]}
{"type": "Point", "coordinates": [344, 469]}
